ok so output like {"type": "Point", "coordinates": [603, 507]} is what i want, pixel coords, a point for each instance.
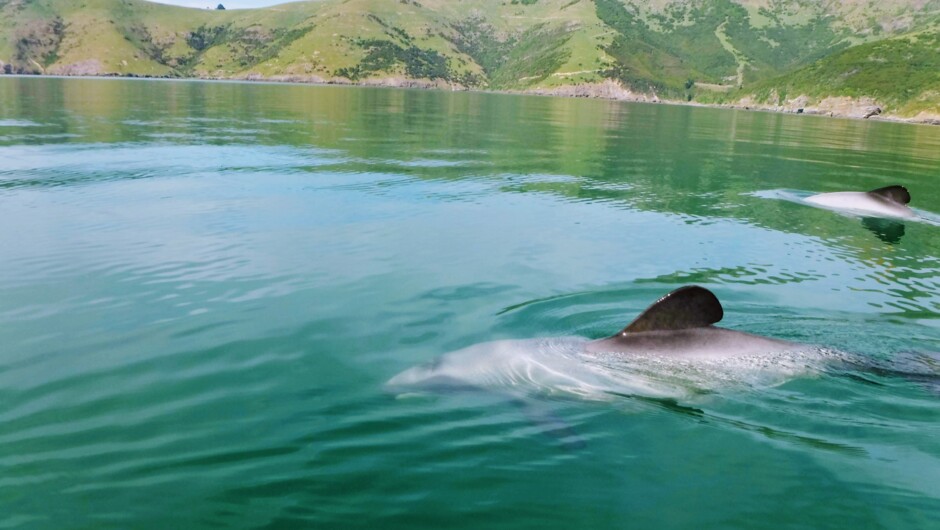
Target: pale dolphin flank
{"type": "Point", "coordinates": [677, 328]}
{"type": "Point", "coordinates": [890, 201]}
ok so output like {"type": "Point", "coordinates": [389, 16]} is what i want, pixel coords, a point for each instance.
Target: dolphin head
{"type": "Point", "coordinates": [429, 376]}
{"type": "Point", "coordinates": [414, 376]}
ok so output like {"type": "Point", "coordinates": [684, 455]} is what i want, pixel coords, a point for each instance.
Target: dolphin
{"type": "Point", "coordinates": [677, 328]}
{"type": "Point", "coordinates": [890, 201]}
{"type": "Point", "coordinates": [680, 325]}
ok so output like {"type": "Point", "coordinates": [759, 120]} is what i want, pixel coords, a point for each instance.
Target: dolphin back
{"type": "Point", "coordinates": [685, 308]}
{"type": "Point", "coordinates": [898, 194]}
{"type": "Point", "coordinates": [889, 201]}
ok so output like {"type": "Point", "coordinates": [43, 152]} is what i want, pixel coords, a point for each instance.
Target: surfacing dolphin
{"type": "Point", "coordinates": [680, 325]}
{"type": "Point", "coordinates": [890, 201]}
{"type": "Point", "coordinates": [674, 332]}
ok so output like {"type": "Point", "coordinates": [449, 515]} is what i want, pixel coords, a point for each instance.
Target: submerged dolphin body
{"type": "Point", "coordinates": [890, 201]}
{"type": "Point", "coordinates": [642, 359]}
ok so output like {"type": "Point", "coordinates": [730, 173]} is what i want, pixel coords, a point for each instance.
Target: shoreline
{"type": "Point", "coordinates": [864, 108]}
{"type": "Point", "coordinates": [832, 107]}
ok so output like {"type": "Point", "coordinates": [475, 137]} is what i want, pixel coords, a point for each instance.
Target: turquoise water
{"type": "Point", "coordinates": [205, 286]}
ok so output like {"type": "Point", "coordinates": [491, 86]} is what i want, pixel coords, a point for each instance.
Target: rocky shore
{"type": "Point", "coordinates": [833, 106]}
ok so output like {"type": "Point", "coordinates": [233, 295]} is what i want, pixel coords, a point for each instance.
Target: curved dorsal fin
{"type": "Point", "coordinates": [686, 307]}
{"type": "Point", "coordinates": [898, 194]}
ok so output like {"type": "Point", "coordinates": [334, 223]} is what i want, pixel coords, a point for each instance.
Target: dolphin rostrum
{"type": "Point", "coordinates": [890, 201]}
{"type": "Point", "coordinates": [678, 328]}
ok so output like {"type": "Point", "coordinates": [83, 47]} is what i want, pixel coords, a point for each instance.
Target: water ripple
{"type": "Point", "coordinates": [201, 303]}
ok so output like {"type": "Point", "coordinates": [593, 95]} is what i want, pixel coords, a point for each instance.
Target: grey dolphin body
{"type": "Point", "coordinates": [678, 326]}
{"type": "Point", "coordinates": [890, 201]}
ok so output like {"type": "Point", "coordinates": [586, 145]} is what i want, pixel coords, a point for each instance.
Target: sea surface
{"type": "Point", "coordinates": [204, 288]}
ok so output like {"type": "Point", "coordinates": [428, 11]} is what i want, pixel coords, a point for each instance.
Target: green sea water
{"type": "Point", "coordinates": [205, 286]}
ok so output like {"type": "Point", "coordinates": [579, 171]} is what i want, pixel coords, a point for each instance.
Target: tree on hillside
{"type": "Point", "coordinates": [220, 6]}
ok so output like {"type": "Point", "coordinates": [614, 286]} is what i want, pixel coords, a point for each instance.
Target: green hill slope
{"type": "Point", "coordinates": [901, 75]}
{"type": "Point", "coordinates": [687, 49]}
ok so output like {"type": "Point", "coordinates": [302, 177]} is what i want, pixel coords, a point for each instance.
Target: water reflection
{"type": "Point", "coordinates": [887, 230]}
{"type": "Point", "coordinates": [697, 166]}
{"type": "Point", "coordinates": [206, 284]}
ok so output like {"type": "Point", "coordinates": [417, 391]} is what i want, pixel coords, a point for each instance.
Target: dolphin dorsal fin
{"type": "Point", "coordinates": [686, 307]}
{"type": "Point", "coordinates": [898, 194]}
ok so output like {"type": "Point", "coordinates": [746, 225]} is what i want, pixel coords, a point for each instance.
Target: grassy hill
{"type": "Point", "coordinates": [900, 73]}
{"type": "Point", "coordinates": [714, 50]}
